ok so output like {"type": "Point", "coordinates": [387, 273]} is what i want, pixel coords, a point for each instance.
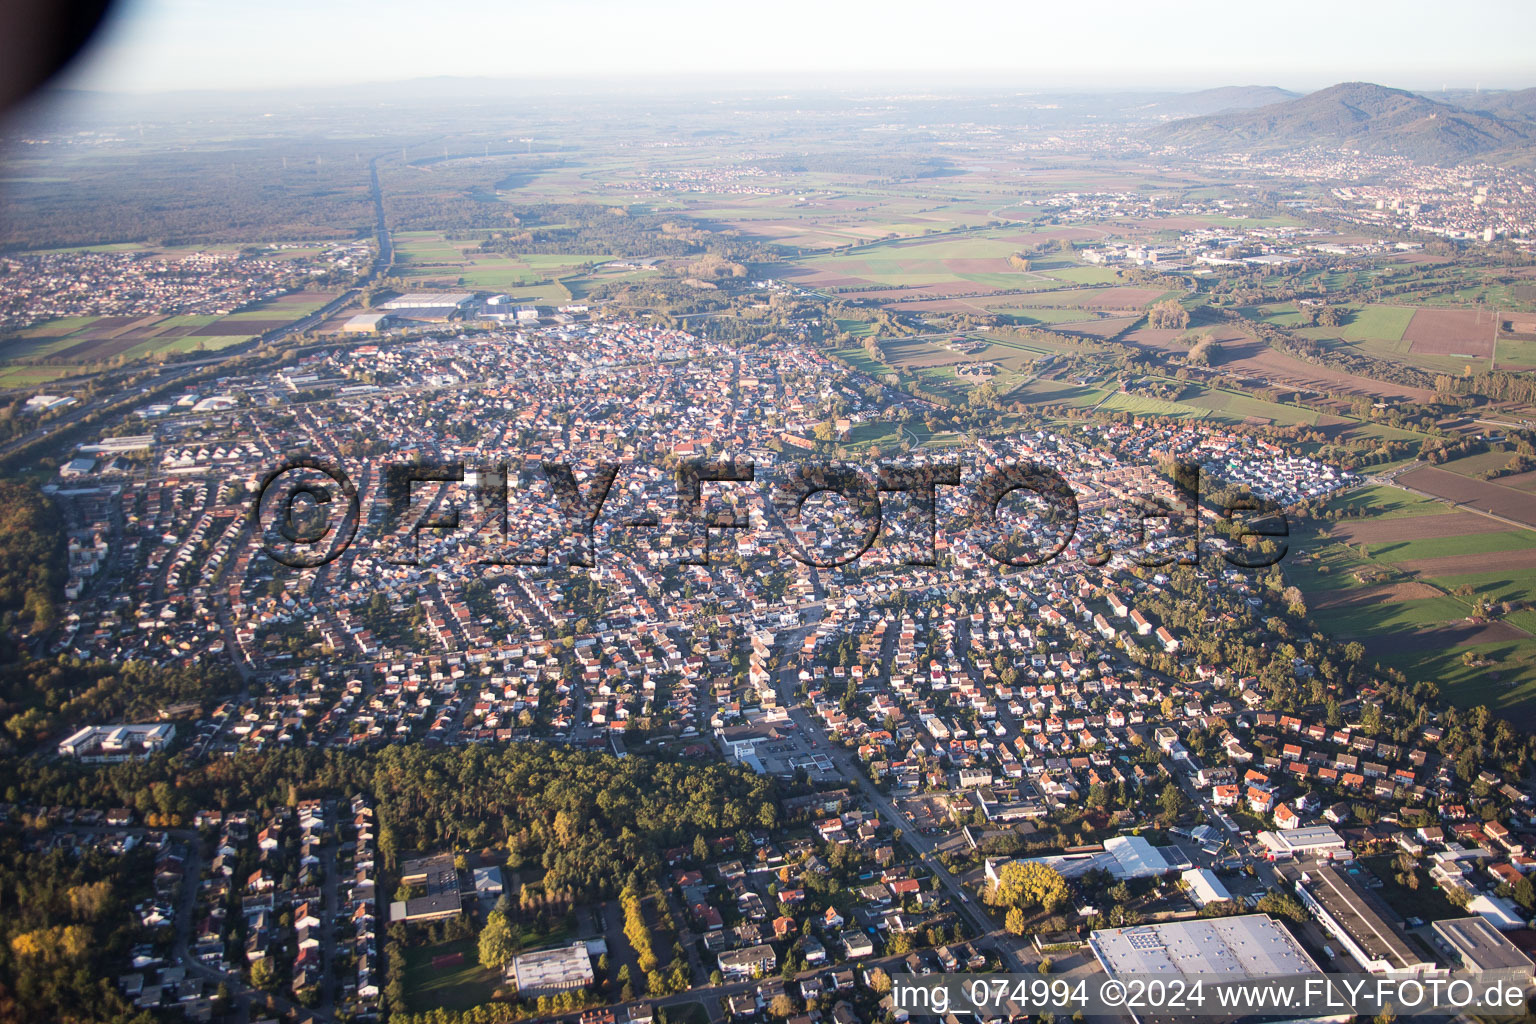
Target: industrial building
{"type": "Point", "coordinates": [1360, 921]}
{"type": "Point", "coordinates": [1478, 946]}
{"type": "Point", "coordinates": [1205, 887]}
{"type": "Point", "coordinates": [1210, 949]}
{"type": "Point", "coordinates": [101, 744]}
{"type": "Point", "coordinates": [429, 300]}
{"type": "Point", "coordinates": [428, 306]}
{"type": "Point", "coordinates": [551, 971]}
{"type": "Point", "coordinates": [1122, 856]}
{"type": "Point", "coordinates": [1314, 841]}
{"type": "Point", "coordinates": [366, 323]}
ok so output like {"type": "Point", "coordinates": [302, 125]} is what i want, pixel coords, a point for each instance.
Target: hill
{"type": "Point", "coordinates": [1520, 105]}
{"type": "Point", "coordinates": [1354, 115]}
{"type": "Point", "coordinates": [1215, 101]}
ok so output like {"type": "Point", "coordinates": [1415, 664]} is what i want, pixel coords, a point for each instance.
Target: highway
{"type": "Point", "coordinates": [172, 373]}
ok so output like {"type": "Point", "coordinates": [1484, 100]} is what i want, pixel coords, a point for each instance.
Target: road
{"type": "Point", "coordinates": [1009, 946]}
{"type": "Point", "coordinates": [186, 911]}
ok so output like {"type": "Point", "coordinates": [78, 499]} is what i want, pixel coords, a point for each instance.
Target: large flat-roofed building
{"type": "Point", "coordinates": [1313, 841]}
{"type": "Point", "coordinates": [1360, 921]}
{"type": "Point", "coordinates": [438, 882]}
{"type": "Point", "coordinates": [366, 323]}
{"type": "Point", "coordinates": [1479, 946]}
{"type": "Point", "coordinates": [1212, 949]}
{"type": "Point", "coordinates": [551, 970]}
{"type": "Point", "coordinates": [429, 300]}
{"type": "Point", "coordinates": [100, 744]}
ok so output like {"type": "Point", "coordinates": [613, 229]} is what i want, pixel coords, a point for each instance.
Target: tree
{"type": "Point", "coordinates": [264, 973]}
{"type": "Point", "coordinates": [782, 1006]}
{"type": "Point", "coordinates": [1015, 921]}
{"type": "Point", "coordinates": [1280, 904]}
{"type": "Point", "coordinates": [497, 942]}
{"type": "Point", "coordinates": [1168, 315]}
{"type": "Point", "coordinates": [1171, 799]}
{"type": "Point", "coordinates": [1025, 884]}
{"type": "Point", "coordinates": [1525, 893]}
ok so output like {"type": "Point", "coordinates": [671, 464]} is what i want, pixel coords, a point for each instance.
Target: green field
{"type": "Point", "coordinates": [856, 328]}
{"type": "Point", "coordinates": [1386, 323]}
{"type": "Point", "coordinates": [860, 360]}
{"type": "Point", "coordinates": [1234, 406]}
{"type": "Point", "coordinates": [1318, 565]}
{"type": "Point", "coordinates": [1509, 684]}
{"type": "Point", "coordinates": [1086, 275]}
{"type": "Point", "coordinates": [1055, 392]}
{"type": "Point", "coordinates": [25, 376]}
{"type": "Point", "coordinates": [1445, 547]}
{"type": "Point", "coordinates": [453, 988]}
{"type": "Point", "coordinates": [1516, 354]}
{"type": "Point", "coordinates": [1370, 620]}
{"type": "Point", "coordinates": [1145, 405]}
{"type": "Point", "coordinates": [1387, 503]}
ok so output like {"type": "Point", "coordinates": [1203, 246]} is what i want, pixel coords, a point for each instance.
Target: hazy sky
{"type": "Point", "coordinates": [154, 45]}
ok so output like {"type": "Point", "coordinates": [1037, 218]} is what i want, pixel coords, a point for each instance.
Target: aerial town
{"type": "Point", "coordinates": [941, 721]}
{"type": "Point", "coordinates": [470, 557]}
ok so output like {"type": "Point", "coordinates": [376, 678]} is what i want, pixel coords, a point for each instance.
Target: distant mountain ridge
{"type": "Point", "coordinates": [1516, 105]}
{"type": "Point", "coordinates": [1219, 100]}
{"type": "Point", "coordinates": [1354, 115]}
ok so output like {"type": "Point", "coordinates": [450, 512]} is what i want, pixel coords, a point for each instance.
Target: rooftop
{"type": "Point", "coordinates": [1362, 916]}
{"type": "Point", "coordinates": [1250, 945]}
{"type": "Point", "coordinates": [1481, 946]}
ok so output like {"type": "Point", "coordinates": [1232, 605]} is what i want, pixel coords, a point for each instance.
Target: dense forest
{"type": "Point", "coordinates": [588, 820]}
{"type": "Point", "coordinates": [282, 190]}
{"type": "Point", "coordinates": [65, 927]}
{"type": "Point", "coordinates": [33, 562]}
{"type": "Point", "coordinates": [41, 698]}
{"type": "Point", "coordinates": [613, 231]}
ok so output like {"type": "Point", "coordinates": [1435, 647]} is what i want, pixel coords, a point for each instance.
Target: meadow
{"type": "Point", "coordinates": [1399, 576]}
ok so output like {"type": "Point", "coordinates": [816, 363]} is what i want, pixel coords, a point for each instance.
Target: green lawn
{"type": "Point", "coordinates": [1463, 544]}
{"type": "Point", "coordinates": [687, 1013]}
{"type": "Point", "coordinates": [453, 988]}
{"type": "Point", "coordinates": [1367, 620]}
{"type": "Point", "coordinates": [1508, 684]}
{"type": "Point", "coordinates": [1388, 503]}
{"type": "Point", "coordinates": [1427, 901]}
{"type": "Point", "coordinates": [1386, 323]}
{"type": "Point", "coordinates": [1145, 405]}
